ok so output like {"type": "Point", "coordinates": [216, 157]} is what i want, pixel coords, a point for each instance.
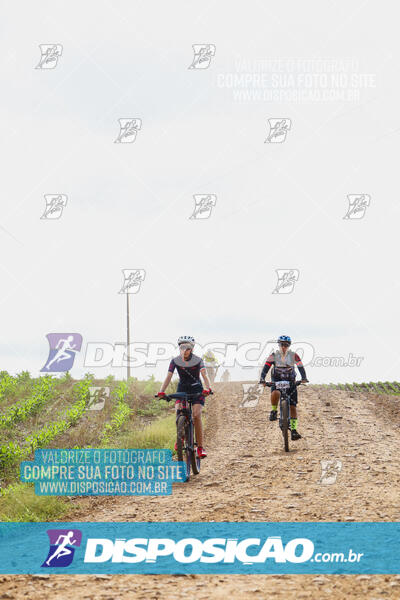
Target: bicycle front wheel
{"type": "Point", "coordinates": [194, 460]}
{"type": "Point", "coordinates": [285, 422]}
{"type": "Point", "coordinates": [182, 443]}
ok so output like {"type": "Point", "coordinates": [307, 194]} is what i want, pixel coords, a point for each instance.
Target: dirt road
{"type": "Point", "coordinates": [248, 477]}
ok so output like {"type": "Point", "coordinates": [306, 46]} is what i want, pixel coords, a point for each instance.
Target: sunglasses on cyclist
{"type": "Point", "coordinates": [185, 347]}
{"type": "Point", "coordinates": [284, 344]}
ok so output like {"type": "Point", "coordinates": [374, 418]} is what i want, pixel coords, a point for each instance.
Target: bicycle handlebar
{"type": "Point", "coordinates": [180, 396]}
{"type": "Point", "coordinates": [270, 383]}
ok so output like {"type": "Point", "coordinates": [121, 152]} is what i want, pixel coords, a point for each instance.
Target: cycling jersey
{"type": "Point", "coordinates": [210, 359]}
{"type": "Point", "coordinates": [188, 370]}
{"type": "Point", "coordinates": [283, 366]}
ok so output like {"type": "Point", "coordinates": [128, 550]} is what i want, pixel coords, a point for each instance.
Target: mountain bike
{"type": "Point", "coordinates": [285, 388]}
{"type": "Point", "coordinates": [185, 434]}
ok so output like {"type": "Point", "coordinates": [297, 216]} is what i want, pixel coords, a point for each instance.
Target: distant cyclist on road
{"type": "Point", "coordinates": [189, 368]}
{"type": "Point", "coordinates": [211, 364]}
{"type": "Point", "coordinates": [283, 362]}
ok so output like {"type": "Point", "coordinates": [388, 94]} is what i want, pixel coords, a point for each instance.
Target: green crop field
{"type": "Point", "coordinates": [50, 412]}
{"type": "Point", "coordinates": [379, 387]}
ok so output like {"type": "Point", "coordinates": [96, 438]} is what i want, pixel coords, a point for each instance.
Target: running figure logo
{"type": "Point", "coordinates": [251, 395]}
{"type": "Point", "coordinates": [61, 552]}
{"type": "Point", "coordinates": [132, 280]}
{"type": "Point", "coordinates": [286, 280]}
{"type": "Point", "coordinates": [55, 203]}
{"type": "Point", "coordinates": [357, 205]}
{"type": "Point", "coordinates": [203, 205]}
{"type": "Point", "coordinates": [203, 54]}
{"type": "Point", "coordinates": [278, 129]}
{"type": "Point", "coordinates": [50, 53]}
{"type": "Point", "coordinates": [128, 129]}
{"type": "Point", "coordinates": [329, 471]}
{"type": "Point", "coordinates": [63, 347]}
{"type": "Point", "coordinates": [98, 397]}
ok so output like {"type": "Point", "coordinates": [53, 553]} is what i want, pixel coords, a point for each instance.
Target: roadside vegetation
{"type": "Point", "coordinates": [51, 412]}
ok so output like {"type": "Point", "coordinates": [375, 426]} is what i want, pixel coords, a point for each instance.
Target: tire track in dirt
{"type": "Point", "coordinates": [248, 477]}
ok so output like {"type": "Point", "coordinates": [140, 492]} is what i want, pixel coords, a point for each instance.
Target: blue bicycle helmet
{"type": "Point", "coordinates": [284, 338]}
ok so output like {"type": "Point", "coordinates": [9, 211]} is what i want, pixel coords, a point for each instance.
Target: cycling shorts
{"type": "Point", "coordinates": [292, 397]}
{"type": "Point", "coordinates": [196, 388]}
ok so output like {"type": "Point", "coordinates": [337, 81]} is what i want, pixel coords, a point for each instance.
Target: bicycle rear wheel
{"type": "Point", "coordinates": [285, 422]}
{"type": "Point", "coordinates": [182, 443]}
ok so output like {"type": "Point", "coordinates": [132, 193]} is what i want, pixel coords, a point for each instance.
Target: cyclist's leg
{"type": "Point", "coordinates": [274, 399]}
{"type": "Point", "coordinates": [293, 414]}
{"type": "Point", "coordinates": [273, 415]}
{"type": "Point", "coordinates": [198, 426]}
{"type": "Point", "coordinates": [293, 404]}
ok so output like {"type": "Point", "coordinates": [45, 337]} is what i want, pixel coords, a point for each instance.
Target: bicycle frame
{"type": "Point", "coordinates": [192, 461]}
{"type": "Point", "coordinates": [186, 410]}
{"type": "Point", "coordinates": [284, 397]}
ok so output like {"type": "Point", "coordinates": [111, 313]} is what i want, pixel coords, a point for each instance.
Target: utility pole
{"type": "Point", "coordinates": [131, 285]}
{"type": "Point", "coordinates": [128, 338]}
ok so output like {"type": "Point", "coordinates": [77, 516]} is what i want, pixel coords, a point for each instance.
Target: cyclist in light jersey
{"type": "Point", "coordinates": [283, 362]}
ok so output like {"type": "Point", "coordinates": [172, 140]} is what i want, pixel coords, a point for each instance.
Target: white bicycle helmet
{"type": "Point", "coordinates": [186, 339]}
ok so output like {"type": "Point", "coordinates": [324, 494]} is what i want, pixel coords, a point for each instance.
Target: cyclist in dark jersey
{"type": "Point", "coordinates": [189, 368]}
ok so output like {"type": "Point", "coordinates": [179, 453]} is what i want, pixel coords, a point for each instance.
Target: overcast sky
{"type": "Point", "coordinates": [279, 205]}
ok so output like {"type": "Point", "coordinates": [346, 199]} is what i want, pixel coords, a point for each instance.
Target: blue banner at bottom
{"type": "Point", "coordinates": [213, 548]}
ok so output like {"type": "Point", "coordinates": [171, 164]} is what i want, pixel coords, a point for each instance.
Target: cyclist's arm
{"type": "Point", "coordinates": [268, 363]}
{"type": "Point", "coordinates": [168, 378]}
{"type": "Point", "coordinates": [205, 378]}
{"type": "Point", "coordinates": [300, 367]}
{"type": "Point", "coordinates": [166, 382]}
